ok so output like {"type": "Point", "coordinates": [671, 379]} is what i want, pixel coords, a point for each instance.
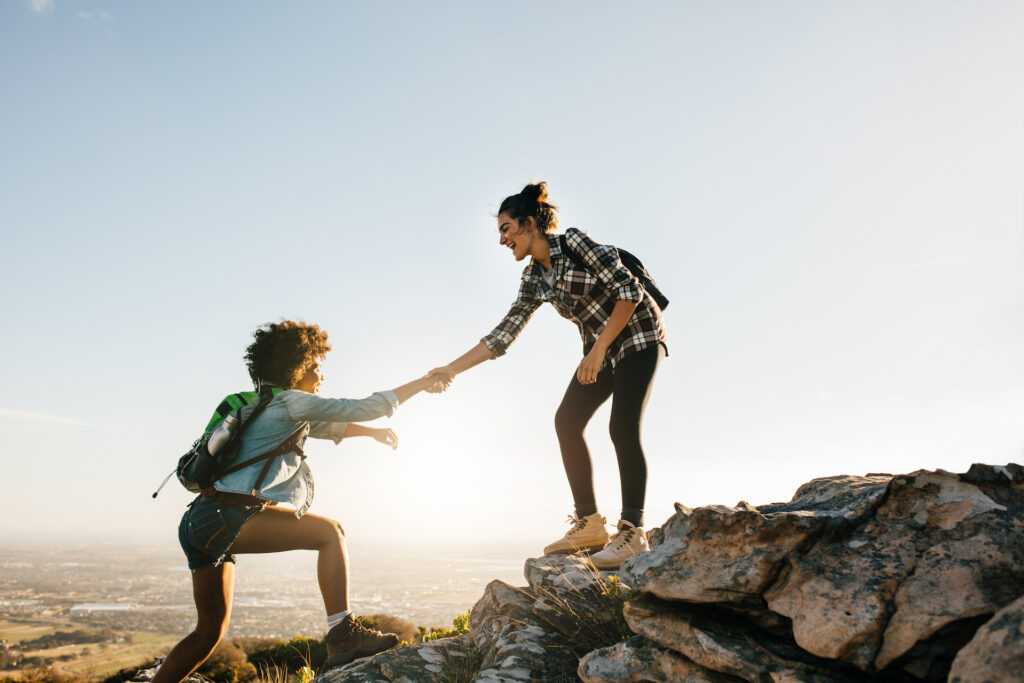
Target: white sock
{"type": "Point", "coordinates": [335, 619]}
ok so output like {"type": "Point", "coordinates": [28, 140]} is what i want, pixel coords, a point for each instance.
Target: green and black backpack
{"type": "Point", "coordinates": [213, 454]}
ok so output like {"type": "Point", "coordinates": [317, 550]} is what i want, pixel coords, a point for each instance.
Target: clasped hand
{"type": "Point", "coordinates": [442, 377]}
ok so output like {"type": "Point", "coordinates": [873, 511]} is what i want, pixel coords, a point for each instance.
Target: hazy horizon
{"type": "Point", "coordinates": [830, 194]}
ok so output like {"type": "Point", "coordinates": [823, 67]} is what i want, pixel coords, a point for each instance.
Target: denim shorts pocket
{"type": "Point", "coordinates": [206, 529]}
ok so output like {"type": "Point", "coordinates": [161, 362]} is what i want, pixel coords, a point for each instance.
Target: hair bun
{"type": "Point", "coordinates": [536, 192]}
{"type": "Point", "coordinates": [532, 201]}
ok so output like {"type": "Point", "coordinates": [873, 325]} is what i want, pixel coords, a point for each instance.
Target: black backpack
{"type": "Point", "coordinates": [213, 454]}
{"type": "Point", "coordinates": [632, 264]}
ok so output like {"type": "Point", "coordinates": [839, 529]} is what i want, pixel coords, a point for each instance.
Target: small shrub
{"type": "Point", "coordinates": [228, 664]}
{"type": "Point", "coordinates": [460, 625]}
{"type": "Point", "coordinates": [591, 618]}
{"type": "Point", "coordinates": [278, 674]}
{"type": "Point", "coordinates": [252, 644]}
{"type": "Point", "coordinates": [291, 656]}
{"type": "Point", "coordinates": [459, 667]}
{"type": "Point", "coordinates": [614, 595]}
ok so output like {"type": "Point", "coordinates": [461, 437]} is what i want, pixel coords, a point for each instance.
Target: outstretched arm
{"type": "Point", "coordinates": [476, 355]}
{"type": "Point", "coordinates": [385, 436]}
{"type": "Point", "coordinates": [407, 391]}
{"type": "Point", "coordinates": [494, 344]}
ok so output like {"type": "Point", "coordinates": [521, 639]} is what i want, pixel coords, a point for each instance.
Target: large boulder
{"type": "Point", "coordinates": [730, 556]}
{"type": "Point", "coordinates": [941, 550]}
{"type": "Point", "coordinates": [876, 571]}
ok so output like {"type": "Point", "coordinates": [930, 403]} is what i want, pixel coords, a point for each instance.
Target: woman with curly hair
{"type": "Point", "coordinates": [245, 511]}
{"type": "Point", "coordinates": [623, 343]}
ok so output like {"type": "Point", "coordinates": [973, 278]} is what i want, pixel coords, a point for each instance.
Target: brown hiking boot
{"type": "Point", "coordinates": [351, 640]}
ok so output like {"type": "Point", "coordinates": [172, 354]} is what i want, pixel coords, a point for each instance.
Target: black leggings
{"type": "Point", "coordinates": [629, 385]}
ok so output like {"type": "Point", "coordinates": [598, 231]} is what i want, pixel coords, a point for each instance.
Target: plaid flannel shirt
{"type": "Point", "coordinates": [586, 296]}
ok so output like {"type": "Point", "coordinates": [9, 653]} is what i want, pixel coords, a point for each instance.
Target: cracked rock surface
{"type": "Point", "coordinates": [996, 653]}
{"type": "Point", "coordinates": [638, 659]}
{"type": "Point", "coordinates": [433, 661]}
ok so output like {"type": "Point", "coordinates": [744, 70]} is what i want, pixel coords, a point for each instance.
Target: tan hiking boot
{"type": "Point", "coordinates": [586, 534]}
{"type": "Point", "coordinates": [627, 542]}
{"type": "Point", "coordinates": [351, 640]}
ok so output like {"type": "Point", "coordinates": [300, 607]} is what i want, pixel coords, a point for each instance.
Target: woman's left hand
{"type": "Point", "coordinates": [590, 366]}
{"type": "Point", "coordinates": [386, 437]}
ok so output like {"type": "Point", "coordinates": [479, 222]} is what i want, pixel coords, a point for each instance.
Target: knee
{"type": "Point", "coordinates": [567, 424]}
{"type": "Point", "coordinates": [332, 532]}
{"type": "Point", "coordinates": [624, 435]}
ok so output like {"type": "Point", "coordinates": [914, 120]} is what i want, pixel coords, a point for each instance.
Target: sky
{"type": "Point", "coordinates": [830, 193]}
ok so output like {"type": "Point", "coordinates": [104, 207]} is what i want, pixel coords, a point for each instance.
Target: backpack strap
{"type": "Point", "coordinates": [264, 400]}
{"type": "Point", "coordinates": [290, 445]}
{"type": "Point", "coordinates": [572, 255]}
{"type": "Point", "coordinates": [266, 396]}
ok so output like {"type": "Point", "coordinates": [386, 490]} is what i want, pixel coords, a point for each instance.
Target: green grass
{"type": "Point", "coordinates": [102, 663]}
{"type": "Point", "coordinates": [17, 631]}
{"type": "Point", "coordinates": [99, 662]}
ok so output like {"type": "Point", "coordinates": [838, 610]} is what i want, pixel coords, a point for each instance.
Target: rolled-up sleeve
{"type": "Point", "coordinates": [335, 431]}
{"type": "Point", "coordinates": [303, 407]}
{"type": "Point", "coordinates": [603, 260]}
{"type": "Point", "coordinates": [510, 327]}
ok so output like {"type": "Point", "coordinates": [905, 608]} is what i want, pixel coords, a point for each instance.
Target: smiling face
{"type": "Point", "coordinates": [517, 235]}
{"type": "Point", "coordinates": [312, 378]}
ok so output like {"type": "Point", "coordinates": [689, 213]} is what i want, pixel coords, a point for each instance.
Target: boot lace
{"type": "Point", "coordinates": [621, 539]}
{"type": "Point", "coordinates": [577, 525]}
{"type": "Point", "coordinates": [358, 627]}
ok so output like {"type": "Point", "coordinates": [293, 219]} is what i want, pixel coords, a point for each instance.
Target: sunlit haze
{"type": "Point", "coordinates": [830, 193]}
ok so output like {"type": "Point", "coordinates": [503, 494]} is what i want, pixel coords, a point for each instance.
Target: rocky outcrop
{"type": "Point", "coordinates": [914, 577]}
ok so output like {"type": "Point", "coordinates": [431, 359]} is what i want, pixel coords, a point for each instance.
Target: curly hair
{"type": "Point", "coordinates": [283, 351]}
{"type": "Point", "coordinates": [532, 200]}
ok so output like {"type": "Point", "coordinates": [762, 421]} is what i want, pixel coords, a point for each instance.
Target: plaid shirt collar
{"type": "Point", "coordinates": [535, 270]}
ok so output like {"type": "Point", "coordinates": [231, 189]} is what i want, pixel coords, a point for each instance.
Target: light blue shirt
{"type": "Point", "coordinates": [288, 480]}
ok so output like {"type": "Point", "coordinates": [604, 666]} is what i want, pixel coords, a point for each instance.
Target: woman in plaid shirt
{"type": "Point", "coordinates": [623, 343]}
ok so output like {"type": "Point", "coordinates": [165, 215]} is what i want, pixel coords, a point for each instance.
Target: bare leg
{"type": "Point", "coordinates": [211, 589]}
{"type": "Point", "coordinates": [273, 531]}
